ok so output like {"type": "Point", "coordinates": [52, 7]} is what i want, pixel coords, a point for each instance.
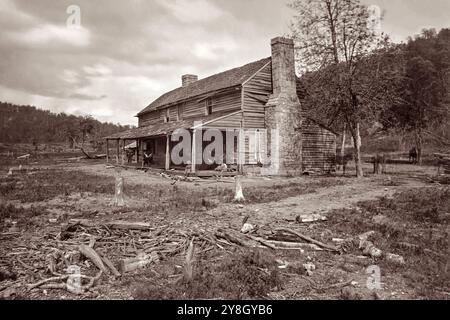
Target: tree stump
{"type": "Point", "coordinates": [239, 195]}
{"type": "Point", "coordinates": [118, 195]}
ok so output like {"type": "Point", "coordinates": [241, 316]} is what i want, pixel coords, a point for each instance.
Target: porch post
{"type": "Point", "coordinates": [107, 150]}
{"type": "Point", "coordinates": [167, 152]}
{"type": "Point", "coordinates": [138, 144]}
{"type": "Point", "coordinates": [193, 152]}
{"type": "Point", "coordinates": [122, 151]}
{"type": "Point", "coordinates": [117, 150]}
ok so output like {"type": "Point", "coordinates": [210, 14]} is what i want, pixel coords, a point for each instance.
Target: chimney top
{"type": "Point", "coordinates": [187, 79]}
{"type": "Point", "coordinates": [283, 66]}
{"type": "Point", "coordinates": [282, 40]}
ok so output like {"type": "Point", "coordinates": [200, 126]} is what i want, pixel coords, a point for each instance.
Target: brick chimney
{"type": "Point", "coordinates": [283, 112]}
{"type": "Point", "coordinates": [187, 79]}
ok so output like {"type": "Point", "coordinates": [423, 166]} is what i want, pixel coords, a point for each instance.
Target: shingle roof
{"type": "Point", "coordinates": [166, 128]}
{"type": "Point", "coordinates": [226, 79]}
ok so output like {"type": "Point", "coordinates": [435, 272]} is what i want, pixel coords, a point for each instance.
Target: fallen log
{"type": "Point", "coordinates": [25, 156]}
{"type": "Point", "coordinates": [313, 217]}
{"type": "Point", "coordinates": [229, 237]}
{"type": "Point", "coordinates": [113, 224]}
{"type": "Point", "coordinates": [40, 283]}
{"type": "Point", "coordinates": [128, 225]}
{"type": "Point", "coordinates": [92, 255]}
{"type": "Point", "coordinates": [142, 260]}
{"type": "Point", "coordinates": [9, 285]}
{"type": "Point", "coordinates": [294, 245]}
{"type": "Point", "coordinates": [111, 266]}
{"type": "Point", "coordinates": [44, 284]}
{"type": "Point", "coordinates": [306, 238]}
{"type": "Point", "coordinates": [262, 241]}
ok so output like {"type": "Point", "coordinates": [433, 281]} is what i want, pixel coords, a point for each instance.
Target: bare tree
{"type": "Point", "coordinates": [339, 33]}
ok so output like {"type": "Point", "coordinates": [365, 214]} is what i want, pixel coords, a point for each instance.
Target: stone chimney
{"type": "Point", "coordinates": [187, 79]}
{"type": "Point", "coordinates": [283, 66]}
{"type": "Point", "coordinates": [283, 113]}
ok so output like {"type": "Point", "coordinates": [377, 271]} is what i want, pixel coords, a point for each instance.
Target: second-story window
{"type": "Point", "coordinates": [208, 106]}
{"type": "Point", "coordinates": [167, 115]}
{"type": "Point", "coordinates": [180, 112]}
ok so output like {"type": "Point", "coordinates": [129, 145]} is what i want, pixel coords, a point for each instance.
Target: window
{"type": "Point", "coordinates": [180, 112]}
{"type": "Point", "coordinates": [167, 115]}
{"type": "Point", "coordinates": [209, 106]}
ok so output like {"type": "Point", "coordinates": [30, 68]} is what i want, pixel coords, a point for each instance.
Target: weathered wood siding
{"type": "Point", "coordinates": [150, 118]}
{"type": "Point", "coordinates": [256, 94]}
{"type": "Point", "coordinates": [173, 113]}
{"type": "Point", "coordinates": [232, 121]}
{"type": "Point", "coordinates": [319, 148]}
{"type": "Point", "coordinates": [229, 100]}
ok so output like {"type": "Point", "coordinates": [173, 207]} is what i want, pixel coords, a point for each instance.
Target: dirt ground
{"type": "Point", "coordinates": [34, 220]}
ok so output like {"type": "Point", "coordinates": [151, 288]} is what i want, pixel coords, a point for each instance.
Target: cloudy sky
{"type": "Point", "coordinates": [125, 54]}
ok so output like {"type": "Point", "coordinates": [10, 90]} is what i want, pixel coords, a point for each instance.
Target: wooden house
{"type": "Point", "coordinates": [259, 97]}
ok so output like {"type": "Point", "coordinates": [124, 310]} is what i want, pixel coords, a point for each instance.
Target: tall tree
{"type": "Point", "coordinates": [423, 93]}
{"type": "Point", "coordinates": [337, 35]}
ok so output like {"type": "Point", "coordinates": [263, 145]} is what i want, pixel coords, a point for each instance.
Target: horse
{"type": "Point", "coordinates": [342, 161]}
{"type": "Point", "coordinates": [413, 155]}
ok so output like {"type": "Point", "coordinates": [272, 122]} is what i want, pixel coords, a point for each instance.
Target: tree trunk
{"type": "Point", "coordinates": [419, 147]}
{"type": "Point", "coordinates": [343, 145]}
{"type": "Point", "coordinates": [357, 146]}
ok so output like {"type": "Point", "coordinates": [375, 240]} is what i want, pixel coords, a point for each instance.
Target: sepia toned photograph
{"type": "Point", "coordinates": [249, 151]}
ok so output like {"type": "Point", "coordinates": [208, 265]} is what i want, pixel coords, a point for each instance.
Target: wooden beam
{"type": "Point", "coordinates": [117, 150]}
{"type": "Point", "coordinates": [167, 152]}
{"type": "Point", "coordinates": [193, 152]}
{"type": "Point", "coordinates": [138, 150]}
{"type": "Point", "coordinates": [241, 147]}
{"type": "Point", "coordinates": [124, 143]}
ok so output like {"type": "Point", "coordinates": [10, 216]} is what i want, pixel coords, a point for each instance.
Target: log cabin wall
{"type": "Point", "coordinates": [227, 101]}
{"type": "Point", "coordinates": [231, 121]}
{"type": "Point", "coordinates": [318, 149]}
{"type": "Point", "coordinates": [150, 118]}
{"type": "Point", "coordinates": [256, 93]}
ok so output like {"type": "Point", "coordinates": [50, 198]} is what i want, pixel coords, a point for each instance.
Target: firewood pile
{"type": "Point", "coordinates": [81, 253]}
{"type": "Point", "coordinates": [98, 251]}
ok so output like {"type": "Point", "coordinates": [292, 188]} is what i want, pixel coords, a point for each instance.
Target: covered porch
{"type": "Point", "coordinates": [129, 148]}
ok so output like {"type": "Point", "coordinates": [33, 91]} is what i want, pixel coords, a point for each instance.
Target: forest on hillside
{"type": "Point", "coordinates": [28, 124]}
{"type": "Point", "coordinates": [383, 91]}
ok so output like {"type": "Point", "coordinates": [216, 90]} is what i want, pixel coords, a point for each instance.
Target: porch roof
{"type": "Point", "coordinates": [168, 127]}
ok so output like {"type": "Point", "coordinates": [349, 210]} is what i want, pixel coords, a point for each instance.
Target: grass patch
{"type": "Point", "coordinates": [23, 216]}
{"type": "Point", "coordinates": [241, 275]}
{"type": "Point", "coordinates": [264, 194]}
{"type": "Point", "coordinates": [47, 184]}
{"type": "Point", "coordinates": [416, 227]}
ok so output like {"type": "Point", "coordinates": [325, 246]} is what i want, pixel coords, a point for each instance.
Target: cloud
{"type": "Point", "coordinates": [127, 53]}
{"type": "Point", "coordinates": [45, 34]}
{"type": "Point", "coordinates": [192, 11]}
{"type": "Point", "coordinates": [80, 96]}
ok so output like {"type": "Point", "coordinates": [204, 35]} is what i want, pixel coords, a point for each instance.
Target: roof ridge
{"type": "Point", "coordinates": [225, 79]}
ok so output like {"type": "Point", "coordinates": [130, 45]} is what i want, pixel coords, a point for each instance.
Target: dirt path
{"type": "Point", "coordinates": [322, 201]}
{"type": "Point", "coordinates": [325, 200]}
